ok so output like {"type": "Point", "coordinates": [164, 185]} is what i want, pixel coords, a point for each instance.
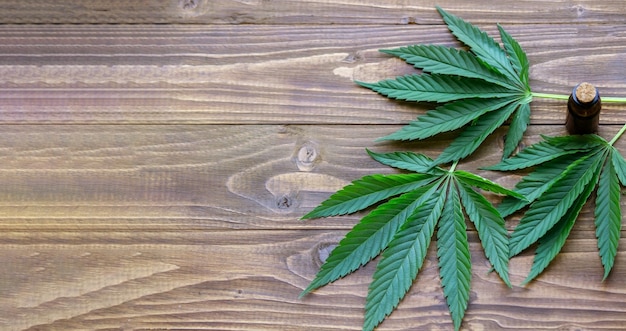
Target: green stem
{"type": "Point", "coordinates": [613, 99]}
{"type": "Point", "coordinates": [453, 167]}
{"type": "Point", "coordinates": [565, 97]}
{"type": "Point", "coordinates": [551, 96]}
{"type": "Point", "coordinates": [619, 134]}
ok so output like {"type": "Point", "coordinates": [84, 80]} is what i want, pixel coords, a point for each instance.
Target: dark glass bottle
{"type": "Point", "coordinates": [583, 110]}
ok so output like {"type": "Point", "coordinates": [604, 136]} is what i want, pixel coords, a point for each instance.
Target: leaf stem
{"type": "Point", "coordinates": [619, 134]}
{"type": "Point", "coordinates": [614, 99]}
{"type": "Point", "coordinates": [551, 96]}
{"type": "Point", "coordinates": [565, 97]}
{"type": "Point", "coordinates": [453, 167]}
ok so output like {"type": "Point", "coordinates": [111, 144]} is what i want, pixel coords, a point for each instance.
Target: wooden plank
{"type": "Point", "coordinates": [174, 227]}
{"type": "Point", "coordinates": [167, 176]}
{"type": "Point", "coordinates": [249, 279]}
{"type": "Point", "coordinates": [162, 178]}
{"type": "Point", "coordinates": [154, 178]}
{"type": "Point", "coordinates": [306, 11]}
{"type": "Point", "coordinates": [263, 74]}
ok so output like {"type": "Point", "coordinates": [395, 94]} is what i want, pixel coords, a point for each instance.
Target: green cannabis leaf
{"type": "Point", "coordinates": [401, 229]}
{"type": "Point", "coordinates": [567, 170]}
{"type": "Point", "coordinates": [479, 89]}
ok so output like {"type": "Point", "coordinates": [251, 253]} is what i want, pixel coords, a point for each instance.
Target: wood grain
{"type": "Point", "coordinates": [306, 11]}
{"type": "Point", "coordinates": [208, 280]}
{"type": "Point", "coordinates": [156, 158]}
{"type": "Point", "coordinates": [196, 227]}
{"type": "Point", "coordinates": [263, 74]}
{"type": "Point", "coordinates": [164, 177]}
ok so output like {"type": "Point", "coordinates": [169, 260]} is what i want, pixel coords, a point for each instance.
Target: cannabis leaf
{"type": "Point", "coordinates": [567, 170]}
{"type": "Point", "coordinates": [476, 90]}
{"type": "Point", "coordinates": [401, 229]}
{"type": "Point", "coordinates": [479, 89]}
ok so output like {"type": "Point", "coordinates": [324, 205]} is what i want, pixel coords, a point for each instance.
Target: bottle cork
{"type": "Point", "coordinates": [583, 109]}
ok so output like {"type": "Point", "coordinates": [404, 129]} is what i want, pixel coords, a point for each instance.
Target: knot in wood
{"type": "Point", "coordinates": [323, 252]}
{"type": "Point", "coordinates": [307, 156]}
{"type": "Point", "coordinates": [188, 4]}
{"type": "Point", "coordinates": [284, 202]}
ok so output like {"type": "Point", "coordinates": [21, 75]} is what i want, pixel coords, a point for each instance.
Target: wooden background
{"type": "Point", "coordinates": [155, 158]}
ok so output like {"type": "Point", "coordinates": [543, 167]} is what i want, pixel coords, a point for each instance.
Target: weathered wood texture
{"type": "Point", "coordinates": [307, 11]}
{"type": "Point", "coordinates": [262, 74]}
{"type": "Point", "coordinates": [153, 175]}
{"type": "Point", "coordinates": [140, 227]}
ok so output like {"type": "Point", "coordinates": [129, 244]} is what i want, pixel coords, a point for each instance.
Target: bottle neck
{"type": "Point", "coordinates": [584, 101]}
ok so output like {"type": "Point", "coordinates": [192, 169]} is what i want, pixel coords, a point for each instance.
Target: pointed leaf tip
{"type": "Point", "coordinates": [484, 46]}
{"type": "Point", "coordinates": [364, 84]}
{"type": "Point", "coordinates": [367, 191]}
{"type": "Point", "coordinates": [415, 162]}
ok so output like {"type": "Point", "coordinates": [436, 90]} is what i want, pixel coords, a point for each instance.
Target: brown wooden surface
{"type": "Point", "coordinates": [153, 175]}
{"type": "Point", "coordinates": [307, 11]}
{"type": "Point", "coordinates": [251, 74]}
